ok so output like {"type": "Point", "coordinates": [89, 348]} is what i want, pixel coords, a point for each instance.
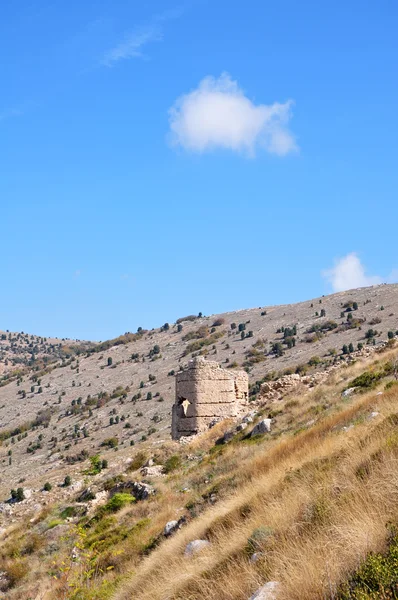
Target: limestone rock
{"type": "Point", "coordinates": [139, 489]}
{"type": "Point", "coordinates": [152, 471]}
{"type": "Point", "coordinates": [263, 426]}
{"type": "Point", "coordinates": [195, 547]}
{"type": "Point", "coordinates": [266, 592]}
{"type": "Point", "coordinates": [348, 392]}
{"type": "Point", "coordinates": [170, 528]}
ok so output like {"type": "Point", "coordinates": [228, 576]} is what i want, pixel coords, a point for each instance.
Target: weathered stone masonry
{"type": "Point", "coordinates": [206, 393]}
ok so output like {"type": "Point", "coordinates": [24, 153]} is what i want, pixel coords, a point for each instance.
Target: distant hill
{"type": "Point", "coordinates": [75, 395]}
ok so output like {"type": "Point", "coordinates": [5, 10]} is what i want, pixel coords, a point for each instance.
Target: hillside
{"type": "Point", "coordinates": [60, 410]}
{"type": "Point", "coordinates": [296, 513]}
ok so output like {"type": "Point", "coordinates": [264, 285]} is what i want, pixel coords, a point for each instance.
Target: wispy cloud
{"type": "Point", "coordinates": [349, 272]}
{"type": "Point", "coordinates": [134, 42]}
{"type": "Point", "coordinates": [218, 114]}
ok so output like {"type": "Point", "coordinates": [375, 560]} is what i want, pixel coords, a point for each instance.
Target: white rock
{"type": "Point", "coordinates": [267, 592]}
{"type": "Point", "coordinates": [348, 392]}
{"type": "Point", "coordinates": [170, 528]}
{"type": "Point", "coordinates": [154, 471]}
{"type": "Point", "coordinates": [256, 556]}
{"type": "Point", "coordinates": [195, 547]}
{"type": "Point", "coordinates": [374, 414]}
{"type": "Point", "coordinates": [241, 427]}
{"type": "Point", "coordinates": [248, 418]}
{"type": "Point", "coordinates": [263, 426]}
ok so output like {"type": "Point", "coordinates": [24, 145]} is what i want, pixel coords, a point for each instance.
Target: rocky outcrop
{"type": "Point", "coordinates": [263, 426]}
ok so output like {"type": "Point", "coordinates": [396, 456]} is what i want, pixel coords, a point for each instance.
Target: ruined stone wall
{"type": "Point", "coordinates": [206, 393]}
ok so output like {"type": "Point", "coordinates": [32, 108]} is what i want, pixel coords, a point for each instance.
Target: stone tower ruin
{"type": "Point", "coordinates": [205, 394]}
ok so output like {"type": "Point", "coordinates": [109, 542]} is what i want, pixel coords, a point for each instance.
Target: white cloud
{"type": "Point", "coordinates": [349, 273]}
{"type": "Point", "coordinates": [218, 115]}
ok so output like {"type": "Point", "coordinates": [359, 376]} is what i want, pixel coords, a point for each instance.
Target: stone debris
{"type": "Point", "coordinates": [348, 392]}
{"type": "Point", "coordinates": [195, 547]}
{"type": "Point", "coordinates": [152, 471]}
{"type": "Point", "coordinates": [266, 592]}
{"type": "Point", "coordinates": [241, 427]}
{"type": "Point", "coordinates": [173, 526]}
{"type": "Point", "coordinates": [205, 394]}
{"type": "Point", "coordinates": [263, 426]}
{"type": "Point", "coordinates": [138, 489]}
{"type": "Point", "coordinates": [170, 528]}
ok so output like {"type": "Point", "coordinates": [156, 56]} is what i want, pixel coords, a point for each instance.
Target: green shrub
{"type": "Point", "coordinates": [111, 442]}
{"type": "Point", "coordinates": [172, 463]}
{"type": "Point", "coordinates": [118, 501]}
{"type": "Point", "coordinates": [376, 578]}
{"type": "Point", "coordinates": [47, 487]}
{"type": "Point", "coordinates": [368, 379]}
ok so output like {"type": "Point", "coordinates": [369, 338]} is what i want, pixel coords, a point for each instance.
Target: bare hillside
{"type": "Point", "coordinates": [60, 410]}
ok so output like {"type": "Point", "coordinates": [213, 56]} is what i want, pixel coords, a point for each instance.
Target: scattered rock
{"type": "Point", "coordinates": [195, 547]}
{"type": "Point", "coordinates": [170, 528]}
{"type": "Point", "coordinates": [267, 592]}
{"type": "Point", "coordinates": [87, 494]}
{"type": "Point", "coordinates": [142, 491]}
{"type": "Point", "coordinates": [348, 392]}
{"type": "Point", "coordinates": [263, 426]}
{"type": "Point", "coordinates": [374, 414]}
{"type": "Point", "coordinates": [154, 471]}
{"type": "Point", "coordinates": [227, 437]}
{"type": "Point", "coordinates": [256, 556]}
{"type": "Point", "coordinates": [241, 427]}
{"type": "Point", "coordinates": [139, 489]}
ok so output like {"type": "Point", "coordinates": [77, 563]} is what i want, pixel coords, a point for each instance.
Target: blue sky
{"type": "Point", "coordinates": [159, 159]}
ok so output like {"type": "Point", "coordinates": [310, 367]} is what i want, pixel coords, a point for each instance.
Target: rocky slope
{"type": "Point", "coordinates": [59, 410]}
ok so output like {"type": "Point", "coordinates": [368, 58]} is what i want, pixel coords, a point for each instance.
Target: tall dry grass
{"type": "Point", "coordinates": [326, 495]}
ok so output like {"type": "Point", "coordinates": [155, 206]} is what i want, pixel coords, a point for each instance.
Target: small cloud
{"type": "Point", "coordinates": [217, 114]}
{"type": "Point", "coordinates": [349, 273]}
{"type": "Point", "coordinates": [77, 273]}
{"type": "Point", "coordinates": [134, 42]}
{"type": "Point", "coordinates": [132, 46]}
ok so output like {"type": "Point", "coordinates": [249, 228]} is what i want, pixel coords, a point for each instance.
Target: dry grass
{"type": "Point", "coordinates": [326, 495]}
{"type": "Point", "coordinates": [314, 498]}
